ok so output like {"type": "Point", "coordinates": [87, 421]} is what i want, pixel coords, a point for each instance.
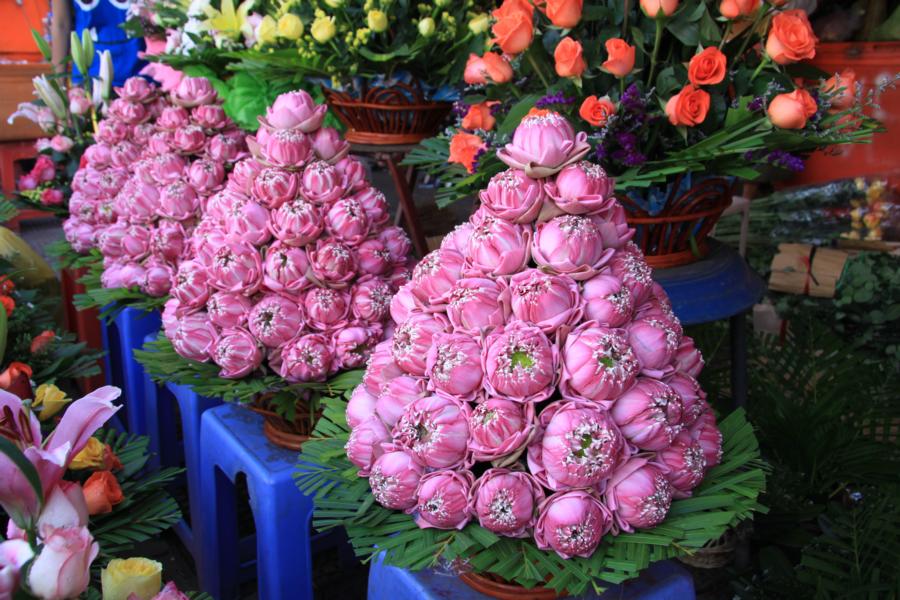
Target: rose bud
{"type": "Point", "coordinates": [194, 91]}
{"type": "Point", "coordinates": [274, 320]}
{"type": "Point", "coordinates": [581, 188]}
{"type": "Point", "coordinates": [295, 110]}
{"type": "Point", "coordinates": [370, 299]}
{"type": "Point", "coordinates": [249, 224]}
{"type": "Point", "coordinates": [394, 479]}
{"type": "Point", "coordinates": [413, 338]}
{"type": "Point", "coordinates": [578, 446]}
{"type": "Point", "coordinates": [513, 196]}
{"type": "Point", "coordinates": [285, 269]}
{"type": "Point", "coordinates": [110, 240]}
{"type": "Point", "coordinates": [328, 145]}
{"type": "Point", "coordinates": [399, 393]}
{"type": "Point", "coordinates": [519, 363]}
{"type": "Point", "coordinates": [124, 154]}
{"type": "Point", "coordinates": [436, 274]}
{"type": "Point", "coordinates": [296, 223]}
{"type": "Point", "coordinates": [237, 353]}
{"type": "Point", "coordinates": [167, 240]}
{"type": "Point", "coordinates": [707, 434]}
{"type": "Point", "coordinates": [607, 300]}
{"type": "Point", "coordinates": [547, 301]}
{"type": "Point", "coordinates": [307, 358]}
{"type": "Point", "coordinates": [453, 365]}
{"type": "Point", "coordinates": [178, 201]}
{"type": "Point", "coordinates": [500, 429]}
{"type": "Point", "coordinates": [475, 305]}
{"type": "Point", "coordinates": [442, 500]}
{"type": "Point", "coordinates": [229, 311]}
{"type": "Point", "coordinates": [639, 495]}
{"type": "Point", "coordinates": [326, 308]}
{"type": "Point", "coordinates": [381, 368]}
{"type": "Point", "coordinates": [236, 267]}
{"type": "Point", "coordinates": [346, 221]}
{"type": "Point", "coordinates": [364, 445]}
{"type": "Point", "coordinates": [506, 502]}
{"type": "Point", "coordinates": [206, 175]}
{"type": "Point", "coordinates": [373, 258]}
{"type": "Point", "coordinates": [189, 140]}
{"type": "Point", "coordinates": [543, 143]}
{"type": "Point", "coordinates": [613, 227]}
{"type": "Point", "coordinates": [210, 116]}
{"type": "Point", "coordinates": [570, 245]}
{"type": "Point", "coordinates": [376, 207]}
{"type": "Point", "coordinates": [136, 242]}
{"type": "Point", "coordinates": [285, 148]}
{"type": "Point", "coordinates": [168, 168]}
{"type": "Point", "coordinates": [157, 279]}
{"type": "Point", "coordinates": [629, 265]}
{"type": "Point", "coordinates": [571, 523]}
{"type": "Point", "coordinates": [693, 398]}
{"type": "Point", "coordinates": [353, 174]}
{"type": "Point", "coordinates": [353, 345]}
{"type": "Point", "coordinates": [687, 358]}
{"type": "Point", "coordinates": [435, 430]}
{"type": "Point", "coordinates": [190, 284]}
{"type": "Point", "coordinates": [649, 414]}
{"type": "Point", "coordinates": [62, 569]}
{"type": "Point", "coordinates": [458, 239]}
{"type": "Point", "coordinates": [244, 175]}
{"type": "Point", "coordinates": [195, 336]}
{"type": "Point", "coordinates": [654, 342]}
{"type": "Point", "coordinates": [224, 148]}
{"type": "Point", "coordinates": [272, 187]}
{"type": "Point", "coordinates": [685, 462]}
{"type": "Point", "coordinates": [361, 407]}
{"type": "Point", "coordinates": [497, 247]}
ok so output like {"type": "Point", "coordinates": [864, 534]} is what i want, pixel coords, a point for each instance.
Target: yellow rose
{"type": "Point", "coordinates": [290, 26]}
{"type": "Point", "coordinates": [378, 21]}
{"type": "Point", "coordinates": [92, 456]}
{"type": "Point", "coordinates": [50, 399]}
{"type": "Point", "coordinates": [125, 576]}
{"type": "Point", "coordinates": [323, 29]}
{"type": "Point", "coordinates": [334, 3]}
{"type": "Point", "coordinates": [479, 23]}
{"type": "Point", "coordinates": [426, 27]}
{"type": "Point", "coordinates": [266, 31]}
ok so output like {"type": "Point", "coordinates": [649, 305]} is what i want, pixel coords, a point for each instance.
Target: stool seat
{"type": "Point", "coordinates": [665, 580]}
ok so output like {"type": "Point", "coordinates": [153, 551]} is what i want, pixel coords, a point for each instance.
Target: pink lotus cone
{"type": "Point", "coordinates": [360, 407]}
{"type": "Point", "coordinates": [496, 247]}
{"type": "Point", "coordinates": [274, 320]}
{"type": "Point", "coordinates": [297, 222]}
{"type": "Point", "coordinates": [307, 358]}
{"type": "Point", "coordinates": [685, 462]}
{"type": "Point", "coordinates": [436, 274]}
{"type": "Point", "coordinates": [442, 500]}
{"type": "Point", "coordinates": [347, 221]}
{"type": "Point", "coordinates": [286, 268]}
{"type": "Point", "coordinates": [572, 523]}
{"type": "Point", "coordinates": [506, 502]}
{"type": "Point", "coordinates": [228, 310]}
{"type": "Point", "coordinates": [370, 299]}
{"type": "Point", "coordinates": [320, 184]}
{"type": "Point", "coordinates": [399, 393]}
{"type": "Point", "coordinates": [581, 188]}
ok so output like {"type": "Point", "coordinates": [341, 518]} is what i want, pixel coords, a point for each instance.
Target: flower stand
{"type": "Point", "coordinates": [232, 442]}
{"type": "Point", "coordinates": [660, 581]}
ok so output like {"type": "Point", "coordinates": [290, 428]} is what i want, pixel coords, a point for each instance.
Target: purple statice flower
{"type": "Point", "coordinates": [460, 109]}
{"type": "Point", "coordinates": [629, 153]}
{"type": "Point", "coordinates": [480, 153]}
{"type": "Point", "coordinates": [785, 160]}
{"type": "Point", "coordinates": [757, 104]}
{"type": "Point", "coordinates": [555, 99]}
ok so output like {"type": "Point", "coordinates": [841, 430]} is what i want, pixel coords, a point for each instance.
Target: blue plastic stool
{"type": "Point", "coordinates": [666, 580]}
{"type": "Point", "coordinates": [232, 442]}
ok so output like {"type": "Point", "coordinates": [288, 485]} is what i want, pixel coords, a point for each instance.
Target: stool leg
{"type": "Point", "coordinates": [407, 203]}
{"type": "Point", "coordinates": [738, 327]}
{"type": "Point", "coordinates": [192, 409]}
{"type": "Point", "coordinates": [217, 535]}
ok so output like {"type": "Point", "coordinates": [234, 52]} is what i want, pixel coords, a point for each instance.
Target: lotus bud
{"type": "Point", "coordinates": [413, 339]}
{"type": "Point", "coordinates": [346, 221]}
{"type": "Point", "coordinates": [249, 223]}
{"type": "Point", "coordinates": [571, 523]}
{"type": "Point", "coordinates": [307, 358]}
{"type": "Point", "coordinates": [236, 267]}
{"type": "Point", "coordinates": [237, 353]}
{"type": "Point", "coordinates": [581, 188]}
{"type": "Point", "coordinates": [707, 434]}
{"type": "Point", "coordinates": [639, 495]}
{"type": "Point", "coordinates": [500, 430]}
{"type": "Point", "coordinates": [442, 500]}
{"type": "Point", "coordinates": [649, 414]}
{"type": "Point", "coordinates": [381, 369]}
{"type": "Point", "coordinates": [373, 258]}
{"type": "Point", "coordinates": [286, 148]}
{"type": "Point", "coordinates": [195, 337]}
{"type": "Point", "coordinates": [435, 429]}
{"type": "Point", "coordinates": [607, 300]}
{"type": "Point", "coordinates": [629, 265]}
{"type": "Point", "coordinates": [513, 196]}
{"type": "Point", "coordinates": [353, 174]}
{"type": "Point", "coordinates": [547, 301]}
{"type": "Point", "coordinates": [229, 311]}
{"type": "Point", "coordinates": [685, 462]}
{"type": "Point", "coordinates": [210, 116]}
{"type": "Point", "coordinates": [297, 222]}
{"type": "Point", "coordinates": [399, 393]}
{"type": "Point", "coordinates": [436, 274]}
{"type": "Point", "coordinates": [497, 247]}
{"type": "Point", "coordinates": [370, 300]}
{"type": "Point", "coordinates": [520, 363]}
{"type": "Point", "coordinates": [397, 243]}
{"type": "Point", "coordinates": [361, 407]}
{"type": "Point", "coordinates": [687, 358]}
{"type": "Point", "coordinates": [295, 110]}
{"type": "Point", "coordinates": [655, 343]}
{"type": "Point", "coordinates": [543, 143]}
{"type": "Point", "coordinates": [364, 445]}
{"type": "Point", "coordinates": [167, 240]}
{"type": "Point", "coordinates": [244, 176]}
{"type": "Point", "coordinates": [173, 118]}
{"type": "Point", "coordinates": [394, 479]}
{"type": "Point", "coordinates": [506, 502]}
{"type": "Point", "coordinates": [353, 345]}
{"type": "Point", "coordinates": [376, 207]}
{"type": "Point", "coordinates": [194, 91]}
{"type": "Point", "coordinates": [326, 308]}
{"type": "Point", "coordinates": [272, 187]}
{"type": "Point", "coordinates": [570, 245]}
{"type": "Point", "coordinates": [274, 320]}
{"type": "Point", "coordinates": [328, 144]}
{"type": "Point", "coordinates": [206, 175]}
{"type": "Point", "coordinates": [475, 305]}
{"type": "Point", "coordinates": [693, 398]}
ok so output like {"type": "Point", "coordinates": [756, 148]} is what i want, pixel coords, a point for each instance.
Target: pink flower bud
{"type": "Point", "coordinates": [361, 407]}
{"type": "Point", "coordinates": [398, 393]}
{"type": "Point", "coordinates": [414, 337]}
{"type": "Point", "coordinates": [159, 143]}
{"type": "Point", "coordinates": [497, 247]}
{"type": "Point", "coordinates": [607, 300]}
{"type": "Point", "coordinates": [693, 398]}
{"type": "Point", "coordinates": [167, 240]}
{"type": "Point", "coordinates": [272, 187]}
{"type": "Point", "coordinates": [110, 240]}
{"type": "Point", "coordinates": [81, 235]}
{"type": "Point", "coordinates": [206, 175]}
{"type": "Point", "coordinates": [136, 242]}
{"type": "Point", "coordinates": [685, 462]}
{"type": "Point", "coordinates": [98, 156]}
{"type": "Point", "coordinates": [405, 303]}
{"type": "Point", "coordinates": [190, 284]}
{"type": "Point", "coordinates": [364, 445]}
{"type": "Point", "coordinates": [141, 133]}
{"type": "Point", "coordinates": [397, 243]}
{"type": "Point", "coordinates": [613, 226]}
{"type": "Point", "coordinates": [320, 183]}
{"type": "Point", "coordinates": [157, 279]}
{"type": "Point", "coordinates": [394, 479]}
{"type": "Point", "coordinates": [639, 495]}
{"type": "Point", "coordinates": [547, 301]}
{"type": "Point", "coordinates": [79, 103]}
{"type": "Point", "coordinates": [194, 91]}
{"type": "Point", "coordinates": [178, 201]}
{"type": "Point", "coordinates": [373, 258]}
{"type": "Point", "coordinates": [370, 299]}
{"type": "Point", "coordinates": [328, 145]}
{"type": "Point", "coordinates": [572, 523]}
{"type": "Point", "coordinates": [244, 175]}
{"type": "Point", "coordinates": [506, 502]}
{"type": "Point", "coordinates": [513, 196]}
{"type": "Point", "coordinates": [286, 148]}
{"type": "Point", "coordinates": [687, 358]}
{"type": "Point", "coordinates": [376, 207]}
{"type": "Point", "coordinates": [520, 363]}
{"type": "Point", "coordinates": [136, 89]}
{"type": "Point", "coordinates": [128, 112]}
{"type": "Point", "coordinates": [171, 317]}
{"type": "Point", "coordinates": [173, 118]}
{"type": "Point", "coordinates": [112, 276]}
{"type": "Point", "coordinates": [476, 305]}
{"type": "Point", "coordinates": [544, 142]}
{"type": "Point", "coordinates": [500, 430]}
{"type": "Point", "coordinates": [236, 267]}
{"type": "Point", "coordinates": [225, 148]}
{"type": "Point", "coordinates": [401, 274]}
{"type": "Point", "coordinates": [436, 274]}
{"type": "Point", "coordinates": [458, 239]}
{"type": "Point", "coordinates": [654, 342]}
{"type": "Point", "coordinates": [435, 430]}
{"type": "Point", "coordinates": [61, 143]}
{"type": "Point", "coordinates": [189, 140]}
{"type": "Point", "coordinates": [629, 265]}
{"type": "Point", "coordinates": [649, 414]}
{"type": "Point", "coordinates": [210, 116]}
{"type": "Point", "coordinates": [598, 363]}
{"type": "Point", "coordinates": [249, 223]}
{"type": "Point", "coordinates": [237, 353]}
{"type": "Point", "coordinates": [295, 110]}
{"type": "Point", "coordinates": [307, 358]}
{"type": "Point", "coordinates": [353, 345]}
{"type": "Point", "coordinates": [229, 311]}
{"type": "Point", "coordinates": [332, 262]}
{"type": "Point", "coordinates": [124, 154]}
{"type": "Point", "coordinates": [169, 168]}
{"type": "Point", "coordinates": [381, 368]}
{"type": "Point", "coordinates": [453, 365]}
{"type": "Point", "coordinates": [581, 188]}
{"type": "Point", "coordinates": [570, 245]}
{"type": "Point", "coordinates": [326, 308]}
{"type": "Point", "coordinates": [274, 320]}
{"type": "Point", "coordinates": [353, 174]}
{"type": "Point", "coordinates": [296, 222]}
{"type": "Point", "coordinates": [707, 434]}
{"type": "Point", "coordinates": [195, 336]}
{"type": "Point", "coordinates": [346, 221]}
{"type": "Point", "coordinates": [442, 500]}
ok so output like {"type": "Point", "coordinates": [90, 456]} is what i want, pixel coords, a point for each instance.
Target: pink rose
{"type": "Point", "coordinates": [655, 342]}
{"type": "Point", "coordinates": [332, 262]}
{"type": "Point", "coordinates": [547, 301]}
{"type": "Point", "coordinates": [571, 523]}
{"type": "Point", "coordinates": [707, 434]}
{"type": "Point", "coordinates": [326, 308]}
{"type": "Point", "coordinates": [687, 358]}
{"type": "Point", "coordinates": [272, 187]}
{"type": "Point", "coordinates": [394, 479]}
{"type": "Point", "coordinates": [157, 278]}
{"type": "Point", "coordinates": [506, 502]}
{"type": "Point", "coordinates": [307, 358]}
{"type": "Point", "coordinates": [79, 103]}
{"type": "Point", "coordinates": [376, 207]}
{"type": "Point", "coordinates": [295, 110]}
{"type": "Point", "coordinates": [476, 305]}
{"type": "Point", "coordinates": [370, 299]}
{"type": "Point", "coordinates": [63, 567]}
{"type": "Point", "coordinates": [229, 311]}
{"type": "Point", "coordinates": [190, 286]}
{"type": "Point", "coordinates": [274, 320]}
{"type": "Point", "coordinates": [361, 407]}
{"type": "Point", "coordinates": [381, 369]}
{"type": "Point", "coordinates": [346, 221]}
{"type": "Point", "coordinates": [607, 300]}
{"type": "Point", "coordinates": [195, 336]}
{"type": "Point", "coordinates": [194, 91]}
{"type": "Point", "coordinates": [649, 414]}
{"type": "Point", "coordinates": [328, 144]}
{"type": "Point", "coordinates": [414, 337]}
{"type": "Point", "coordinates": [436, 274]}
{"type": "Point", "coordinates": [639, 495]}
{"type": "Point", "coordinates": [629, 265]}
{"type": "Point", "coordinates": [520, 363]}
{"type": "Point", "coordinates": [442, 500]}
{"type": "Point", "coordinates": [453, 365]}
{"type": "Point", "coordinates": [513, 196]}
{"type": "Point", "coordinates": [397, 243]}
{"type": "Point", "coordinates": [373, 258]}
{"type": "Point", "coordinates": [296, 222]}
{"type": "Point", "coordinates": [364, 446]}
{"type": "Point", "coordinates": [435, 429]}
{"type": "Point", "coordinates": [353, 345]}
{"type": "Point", "coordinates": [397, 394]}
{"type": "Point", "coordinates": [497, 247]}
{"type": "Point", "coordinates": [14, 554]}
{"type": "Point", "coordinates": [685, 462]}
{"type": "Point", "coordinates": [581, 188]}
{"type": "Point", "coordinates": [286, 148]}
{"type": "Point", "coordinates": [237, 353]}
{"type": "Point", "coordinates": [570, 245]}
{"type": "Point", "coordinates": [543, 143]}
{"type": "Point", "coordinates": [500, 429]}
{"type": "Point", "coordinates": [236, 267]}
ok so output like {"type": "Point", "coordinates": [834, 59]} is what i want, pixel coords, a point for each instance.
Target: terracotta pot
{"type": "Point", "coordinates": [495, 587]}
{"type": "Point", "coordinates": [280, 431]}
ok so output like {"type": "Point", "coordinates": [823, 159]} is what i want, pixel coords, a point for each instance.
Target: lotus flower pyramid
{"type": "Point", "coordinates": [537, 381]}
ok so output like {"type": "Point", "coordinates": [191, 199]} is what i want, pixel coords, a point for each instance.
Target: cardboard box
{"type": "Point", "coordinates": [805, 269]}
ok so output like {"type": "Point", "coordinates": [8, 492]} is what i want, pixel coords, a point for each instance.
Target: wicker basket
{"type": "Point", "coordinates": [399, 114]}
{"type": "Point", "coordinates": [496, 587]}
{"type": "Point", "coordinates": [715, 554]}
{"type": "Point", "coordinates": [666, 238]}
{"type": "Point", "coordinates": [280, 431]}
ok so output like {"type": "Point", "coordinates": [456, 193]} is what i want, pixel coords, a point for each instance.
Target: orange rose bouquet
{"type": "Point", "coordinates": [662, 88]}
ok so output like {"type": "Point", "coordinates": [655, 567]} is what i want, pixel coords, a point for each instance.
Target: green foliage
{"type": "Point", "coordinates": [8, 210]}
{"type": "Point", "coordinates": [110, 301]}
{"type": "Point", "coordinates": [727, 496]}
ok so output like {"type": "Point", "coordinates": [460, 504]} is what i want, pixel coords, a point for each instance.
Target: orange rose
{"type": "Point", "coordinates": [707, 67]}
{"type": "Point", "coordinates": [564, 13]}
{"type": "Point", "coordinates": [464, 149]}
{"type": "Point", "coordinates": [39, 342]}
{"type": "Point", "coordinates": [8, 304]}
{"type": "Point", "coordinates": [790, 111]}
{"type": "Point", "coordinates": [513, 32]}
{"type": "Point", "coordinates": [845, 81]}
{"type": "Point", "coordinates": [16, 379]}
{"type": "Point", "coordinates": [479, 116]}
{"type": "Point", "coordinates": [6, 285]}
{"type": "Point", "coordinates": [102, 492]}
{"type": "Point", "coordinates": [568, 58]}
{"type": "Point", "coordinates": [732, 9]}
{"type": "Point", "coordinates": [652, 8]}
{"type": "Point", "coordinates": [688, 107]}
{"type": "Point", "coordinates": [621, 57]}
{"type": "Point", "coordinates": [791, 38]}
{"type": "Point", "coordinates": [513, 6]}
{"type": "Point", "coordinates": [490, 68]}
{"type": "Point", "coordinates": [597, 111]}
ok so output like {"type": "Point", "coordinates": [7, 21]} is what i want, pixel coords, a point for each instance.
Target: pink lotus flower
{"type": "Point", "coordinates": [82, 236]}
{"type": "Point", "coordinates": [320, 183]}
{"type": "Point", "coordinates": [128, 112]}
{"type": "Point", "coordinates": [167, 240]}
{"type": "Point", "coordinates": [547, 301]}
{"type": "Point", "coordinates": [326, 308]}
{"type": "Point", "coordinates": [685, 462]}
{"type": "Point", "coordinates": [328, 145]}
{"type": "Point", "coordinates": [173, 118]}
{"type": "Point", "coordinates": [62, 569]}
{"type": "Point", "coordinates": [506, 502]}
{"type": "Point", "coordinates": [581, 188]}
{"type": "Point", "coordinates": [639, 495]}
{"type": "Point", "coordinates": [458, 239]}
{"type": "Point", "coordinates": [543, 143]}
{"type": "Point", "coordinates": [381, 369]}
{"type": "Point", "coordinates": [136, 89]}
{"type": "Point", "coordinates": [195, 336]}
{"type": "Point", "coordinates": [353, 344]}
{"type": "Point", "coordinates": [236, 267]}
{"type": "Point", "coordinates": [274, 320]}
{"type": "Point", "coordinates": [654, 342]}
{"type": "Point", "coordinates": [370, 299]}
{"type": "Point", "coordinates": [397, 243]}
{"type": "Point", "coordinates": [190, 286]}
{"type": "Point", "coordinates": [237, 353]}
{"type": "Point", "coordinates": [405, 303]}
{"type": "Point", "coordinates": [476, 305]}
{"type": "Point", "coordinates": [132, 274]}
{"type": "Point", "coordinates": [160, 143]}
{"type": "Point", "coordinates": [168, 168]}
{"type": "Point", "coordinates": [578, 446]}
{"type": "Point", "coordinates": [570, 245]}
{"type": "Point", "coordinates": [572, 523]}
{"type": "Point", "coordinates": [435, 429]}
{"type": "Point", "coordinates": [171, 316]}
{"type": "Point", "coordinates": [413, 339]}
{"type": "Point", "coordinates": [394, 479]}
{"type": "Point", "coordinates": [206, 175]}
{"type": "Point", "coordinates": [436, 274]}
{"type": "Point", "coordinates": [401, 274]}
{"type": "Point", "coordinates": [178, 201]}
{"type": "Point", "coordinates": [361, 407]}
{"type": "Point", "coordinates": [136, 242]}
{"type": "Point", "coordinates": [296, 222]}
{"type": "Point", "coordinates": [453, 365]}
{"type": "Point", "coordinates": [286, 148]}
{"type": "Point", "coordinates": [687, 358]}
{"type": "Point", "coordinates": [189, 140]}
{"type": "Point", "coordinates": [124, 154]}
{"type": "Point", "coordinates": [332, 262]}
{"type": "Point", "coordinates": [14, 554]}
{"type": "Point", "coordinates": [111, 132]}
{"type": "Point", "coordinates": [346, 221]}
{"type": "Point", "coordinates": [225, 148]}
{"type": "Point", "coordinates": [496, 247]}
{"type": "Point", "coordinates": [707, 434]}
{"type": "Point", "coordinates": [295, 110]}
{"type": "Point", "coordinates": [442, 500]}
{"type": "Point", "coordinates": [364, 446]}
{"type": "Point", "coordinates": [693, 398]}
{"type": "Point", "coordinates": [229, 311]}
{"type": "Point", "coordinates": [194, 91]}
{"type": "Point", "coordinates": [244, 175]}
{"type": "Point", "coordinates": [607, 300]}
{"type": "Point", "coordinates": [520, 363]}
{"type": "Point", "coordinates": [373, 258]}
{"type": "Point", "coordinates": [157, 278]}
{"type": "Point", "coordinates": [141, 132]}
{"type": "Point", "coordinates": [513, 196]}
{"type": "Point", "coordinates": [649, 414]}
{"type": "Point", "coordinates": [110, 240]}
{"type": "Point", "coordinates": [273, 186]}
{"type": "Point", "coordinates": [249, 223]}
{"type": "Point", "coordinates": [210, 116]}
{"type": "Point", "coordinates": [500, 430]}
{"type": "Point", "coordinates": [376, 207]}
{"type": "Point", "coordinates": [353, 174]}
{"type": "Point", "coordinates": [629, 265]}
{"type": "Point", "coordinates": [112, 276]}
{"type": "Point", "coordinates": [307, 358]}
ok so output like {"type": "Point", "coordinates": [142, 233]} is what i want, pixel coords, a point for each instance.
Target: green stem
{"type": "Point", "coordinates": [537, 69]}
{"type": "Point", "coordinates": [621, 87]}
{"type": "Point", "coordinates": [759, 15]}
{"type": "Point", "coordinates": [725, 36]}
{"type": "Point", "coordinates": [765, 61]}
{"type": "Point", "coordinates": [656, 42]}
